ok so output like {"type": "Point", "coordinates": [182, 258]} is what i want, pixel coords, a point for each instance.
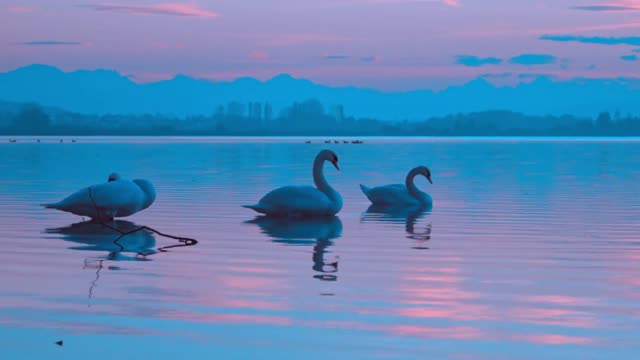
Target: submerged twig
{"type": "Point", "coordinates": [185, 241]}
{"type": "Point", "coordinates": [95, 281]}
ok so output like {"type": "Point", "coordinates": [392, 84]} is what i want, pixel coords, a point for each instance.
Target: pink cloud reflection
{"type": "Point", "coordinates": [554, 339]}
{"type": "Point", "coordinates": [231, 318]}
{"type": "Point", "coordinates": [455, 332]}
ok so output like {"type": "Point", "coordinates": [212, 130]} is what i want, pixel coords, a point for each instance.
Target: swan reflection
{"type": "Point", "coordinates": [316, 232]}
{"type": "Point", "coordinates": [408, 216]}
{"type": "Point", "coordinates": [119, 239]}
{"type": "Point", "coordinates": [93, 236]}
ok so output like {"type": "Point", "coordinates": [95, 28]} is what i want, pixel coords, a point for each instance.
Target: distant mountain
{"type": "Point", "coordinates": [104, 91]}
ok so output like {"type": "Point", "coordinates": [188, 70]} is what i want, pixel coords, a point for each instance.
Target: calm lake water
{"type": "Point", "coordinates": [531, 251]}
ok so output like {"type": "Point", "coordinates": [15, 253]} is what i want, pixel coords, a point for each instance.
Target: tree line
{"type": "Point", "coordinates": [310, 118]}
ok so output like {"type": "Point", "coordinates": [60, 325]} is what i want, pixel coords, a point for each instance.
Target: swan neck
{"type": "Point", "coordinates": [318, 176]}
{"type": "Point", "coordinates": [411, 186]}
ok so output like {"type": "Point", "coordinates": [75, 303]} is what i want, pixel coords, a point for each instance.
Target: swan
{"type": "Point", "coordinates": [304, 201]}
{"type": "Point", "coordinates": [401, 195]}
{"type": "Point", "coordinates": [118, 197]}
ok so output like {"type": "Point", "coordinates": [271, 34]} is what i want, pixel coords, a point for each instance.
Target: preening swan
{"type": "Point", "coordinates": [401, 195]}
{"type": "Point", "coordinates": [304, 201]}
{"type": "Point", "coordinates": [117, 197]}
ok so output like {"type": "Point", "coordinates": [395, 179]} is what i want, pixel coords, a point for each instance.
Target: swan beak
{"type": "Point", "coordinates": [335, 163]}
{"type": "Point", "coordinates": [430, 182]}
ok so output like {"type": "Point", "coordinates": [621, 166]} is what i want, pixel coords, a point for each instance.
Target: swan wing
{"type": "Point", "coordinates": [113, 199]}
{"type": "Point", "coordinates": [389, 194]}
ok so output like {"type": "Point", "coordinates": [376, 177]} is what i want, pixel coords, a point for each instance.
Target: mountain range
{"type": "Point", "coordinates": [107, 91]}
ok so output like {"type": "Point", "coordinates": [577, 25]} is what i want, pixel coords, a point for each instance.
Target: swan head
{"type": "Point", "coordinates": [424, 171]}
{"type": "Point", "coordinates": [328, 155]}
{"type": "Point", "coordinates": [149, 190]}
{"type": "Point", "coordinates": [113, 177]}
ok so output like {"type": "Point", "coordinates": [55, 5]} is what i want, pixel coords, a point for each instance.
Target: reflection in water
{"type": "Point", "coordinates": [118, 238]}
{"type": "Point", "coordinates": [408, 216]}
{"type": "Point", "coordinates": [300, 232]}
{"type": "Point", "coordinates": [94, 236]}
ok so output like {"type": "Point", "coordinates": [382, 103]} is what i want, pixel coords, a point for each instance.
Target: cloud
{"type": "Point", "coordinates": [371, 58]}
{"type": "Point", "coordinates": [335, 57]}
{"type": "Point", "coordinates": [606, 8]}
{"type": "Point", "coordinates": [533, 59]}
{"type": "Point", "coordinates": [632, 57]}
{"type": "Point", "coordinates": [626, 40]}
{"type": "Point", "coordinates": [475, 61]}
{"type": "Point", "coordinates": [445, 2]}
{"type": "Point", "coordinates": [258, 55]}
{"type": "Point", "coordinates": [174, 9]}
{"type": "Point", "coordinates": [283, 39]}
{"type": "Point", "coordinates": [21, 9]}
{"type": "Point", "coordinates": [535, 76]}
{"type": "Point", "coordinates": [49, 42]}
{"type": "Point", "coordinates": [503, 75]}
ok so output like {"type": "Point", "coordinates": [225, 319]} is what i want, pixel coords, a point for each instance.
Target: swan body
{"type": "Point", "coordinates": [116, 198]}
{"type": "Point", "coordinates": [401, 195]}
{"type": "Point", "coordinates": [304, 201]}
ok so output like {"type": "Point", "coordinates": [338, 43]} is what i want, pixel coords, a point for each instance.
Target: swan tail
{"type": "Point", "coordinates": [256, 208]}
{"type": "Point", "coordinates": [365, 189]}
{"type": "Point", "coordinates": [56, 206]}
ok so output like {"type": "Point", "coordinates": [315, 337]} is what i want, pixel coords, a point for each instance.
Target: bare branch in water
{"type": "Point", "coordinates": [95, 281]}
{"type": "Point", "coordinates": [184, 241]}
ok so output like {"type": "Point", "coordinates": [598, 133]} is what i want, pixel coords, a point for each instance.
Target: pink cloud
{"type": "Point", "coordinates": [451, 2]}
{"type": "Point", "coordinates": [445, 2]}
{"type": "Point", "coordinates": [21, 9]}
{"type": "Point", "coordinates": [175, 9]}
{"type": "Point", "coordinates": [258, 55]}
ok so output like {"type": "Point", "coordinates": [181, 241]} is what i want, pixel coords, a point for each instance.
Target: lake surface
{"type": "Point", "coordinates": [531, 251]}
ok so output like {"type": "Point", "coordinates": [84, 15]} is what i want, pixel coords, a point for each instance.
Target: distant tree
{"type": "Point", "coordinates": [338, 113]}
{"type": "Point", "coordinates": [604, 120]}
{"type": "Point", "coordinates": [32, 120]}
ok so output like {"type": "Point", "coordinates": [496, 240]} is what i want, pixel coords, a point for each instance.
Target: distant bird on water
{"type": "Point", "coordinates": [116, 198]}
{"type": "Point", "coordinates": [304, 201]}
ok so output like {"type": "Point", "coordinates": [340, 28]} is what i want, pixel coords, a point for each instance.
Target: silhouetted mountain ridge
{"type": "Point", "coordinates": [107, 91]}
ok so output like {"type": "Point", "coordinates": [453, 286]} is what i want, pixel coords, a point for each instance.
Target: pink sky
{"type": "Point", "coordinates": [389, 44]}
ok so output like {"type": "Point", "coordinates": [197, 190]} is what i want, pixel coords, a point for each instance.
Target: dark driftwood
{"type": "Point", "coordinates": [184, 241]}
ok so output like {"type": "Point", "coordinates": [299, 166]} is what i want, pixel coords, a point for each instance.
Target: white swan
{"type": "Point", "coordinates": [304, 201]}
{"type": "Point", "coordinates": [117, 197]}
{"type": "Point", "coordinates": [401, 195]}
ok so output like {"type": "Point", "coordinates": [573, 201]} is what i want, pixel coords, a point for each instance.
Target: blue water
{"type": "Point", "coordinates": [530, 252]}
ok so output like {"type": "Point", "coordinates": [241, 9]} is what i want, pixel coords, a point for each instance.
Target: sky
{"type": "Point", "coordinates": [385, 44]}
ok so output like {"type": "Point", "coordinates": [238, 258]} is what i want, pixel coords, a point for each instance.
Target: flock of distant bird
{"type": "Point", "coordinates": [120, 197]}
{"type": "Point", "coordinates": [38, 140]}
{"type": "Point", "coordinates": [338, 142]}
